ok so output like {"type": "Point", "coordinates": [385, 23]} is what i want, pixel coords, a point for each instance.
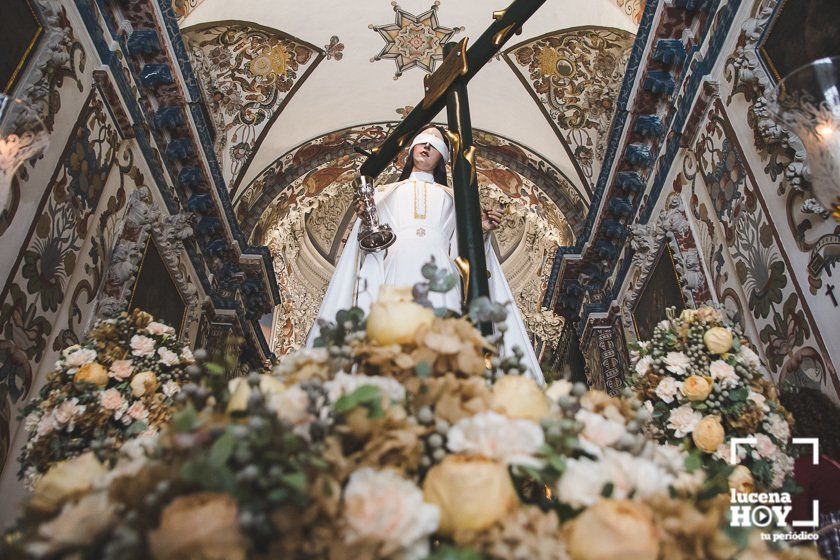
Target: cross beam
{"type": "Point", "coordinates": [507, 22]}
{"type": "Point", "coordinates": [448, 86]}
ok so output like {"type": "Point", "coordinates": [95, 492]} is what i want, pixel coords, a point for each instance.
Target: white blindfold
{"type": "Point", "coordinates": [435, 142]}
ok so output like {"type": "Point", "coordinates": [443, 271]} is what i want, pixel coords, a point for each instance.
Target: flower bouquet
{"type": "Point", "coordinates": [704, 386]}
{"type": "Point", "coordinates": [120, 383]}
{"type": "Point", "coordinates": [369, 447]}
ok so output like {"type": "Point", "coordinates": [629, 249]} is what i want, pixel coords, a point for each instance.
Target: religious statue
{"type": "Point", "coordinates": [420, 210]}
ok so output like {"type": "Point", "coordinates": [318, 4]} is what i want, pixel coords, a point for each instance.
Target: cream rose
{"type": "Point", "coordinates": [395, 317]}
{"type": "Point", "coordinates": [142, 383]}
{"type": "Point", "coordinates": [718, 340]}
{"type": "Point", "coordinates": [240, 390]}
{"type": "Point", "coordinates": [559, 388]}
{"type": "Point", "coordinates": [741, 480]}
{"type": "Point", "coordinates": [517, 396]}
{"type": "Point", "coordinates": [697, 388]}
{"type": "Point", "coordinates": [472, 493]}
{"type": "Point", "coordinates": [708, 434]}
{"type": "Point", "coordinates": [201, 525]}
{"type": "Point", "coordinates": [65, 480]}
{"type": "Point", "coordinates": [78, 524]}
{"type": "Point", "coordinates": [93, 373]}
{"type": "Point", "coordinates": [614, 529]}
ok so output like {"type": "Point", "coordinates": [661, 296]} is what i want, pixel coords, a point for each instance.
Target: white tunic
{"type": "Point", "coordinates": [422, 214]}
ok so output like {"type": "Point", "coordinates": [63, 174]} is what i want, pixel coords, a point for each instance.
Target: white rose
{"type": "Point", "coordinates": [723, 373]}
{"type": "Point", "coordinates": [81, 357]}
{"type": "Point", "coordinates": [142, 345]}
{"type": "Point", "coordinates": [677, 362]}
{"type": "Point", "coordinates": [171, 388]}
{"type": "Point", "coordinates": [384, 507]}
{"type": "Point", "coordinates": [187, 356]}
{"type": "Point", "coordinates": [599, 430]}
{"type": "Point", "coordinates": [634, 475]}
{"type": "Point", "coordinates": [667, 389]}
{"type": "Point", "coordinates": [683, 420]}
{"type": "Point", "coordinates": [495, 436]}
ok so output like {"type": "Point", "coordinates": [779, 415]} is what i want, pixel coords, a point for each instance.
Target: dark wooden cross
{"type": "Point", "coordinates": [448, 86]}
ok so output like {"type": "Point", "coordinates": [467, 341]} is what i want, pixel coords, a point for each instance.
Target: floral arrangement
{"type": "Point", "coordinates": [704, 386]}
{"type": "Point", "coordinates": [402, 436]}
{"type": "Point", "coordinates": [117, 385]}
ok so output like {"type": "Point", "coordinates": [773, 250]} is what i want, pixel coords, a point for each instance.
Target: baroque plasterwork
{"type": "Point", "coordinates": [633, 8]}
{"type": "Point", "coordinates": [671, 227]}
{"type": "Point", "coordinates": [143, 218]}
{"type": "Point", "coordinates": [783, 150]}
{"type": "Point", "coordinates": [414, 41]}
{"type": "Point", "coordinates": [574, 75]}
{"type": "Point", "coordinates": [248, 74]}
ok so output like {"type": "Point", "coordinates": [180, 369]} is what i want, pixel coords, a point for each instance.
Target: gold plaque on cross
{"type": "Point", "coordinates": [454, 65]}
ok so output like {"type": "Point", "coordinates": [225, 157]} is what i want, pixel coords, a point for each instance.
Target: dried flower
{"type": "Point", "coordinates": [203, 525]}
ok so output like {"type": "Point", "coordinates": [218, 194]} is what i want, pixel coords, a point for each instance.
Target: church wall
{"type": "Point", "coordinates": [734, 224]}
{"type": "Point", "coordinates": [73, 235]}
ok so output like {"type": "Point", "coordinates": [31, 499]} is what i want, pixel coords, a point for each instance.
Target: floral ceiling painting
{"type": "Point", "coordinates": [248, 74]}
{"type": "Point", "coordinates": [574, 75]}
{"type": "Point", "coordinates": [414, 41]}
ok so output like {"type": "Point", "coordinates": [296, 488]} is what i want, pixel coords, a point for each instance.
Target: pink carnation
{"type": "Point", "coordinates": [111, 399]}
{"type": "Point", "coordinates": [121, 370]}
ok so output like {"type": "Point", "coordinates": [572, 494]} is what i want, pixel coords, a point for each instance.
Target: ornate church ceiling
{"type": "Point", "coordinates": [293, 86]}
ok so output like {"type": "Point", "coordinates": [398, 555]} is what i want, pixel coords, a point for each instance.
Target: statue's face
{"type": "Point", "coordinates": [425, 156]}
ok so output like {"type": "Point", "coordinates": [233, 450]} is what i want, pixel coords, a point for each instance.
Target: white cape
{"type": "Point", "coordinates": [414, 247]}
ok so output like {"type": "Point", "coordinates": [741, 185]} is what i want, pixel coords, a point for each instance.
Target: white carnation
{"type": "Point", "coordinates": [668, 389]}
{"type": "Point", "coordinates": [598, 429]}
{"type": "Point", "coordinates": [381, 506]}
{"type": "Point", "coordinates": [677, 362]}
{"type": "Point", "coordinates": [81, 357]}
{"type": "Point", "coordinates": [345, 383]}
{"type": "Point", "coordinates": [495, 436]}
{"type": "Point", "coordinates": [683, 420]}
{"type": "Point", "coordinates": [723, 373]}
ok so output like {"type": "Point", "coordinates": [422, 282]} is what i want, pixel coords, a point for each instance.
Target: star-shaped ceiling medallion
{"type": "Point", "coordinates": [414, 41]}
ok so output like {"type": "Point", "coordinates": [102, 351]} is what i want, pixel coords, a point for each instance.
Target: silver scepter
{"type": "Point", "coordinates": [373, 236]}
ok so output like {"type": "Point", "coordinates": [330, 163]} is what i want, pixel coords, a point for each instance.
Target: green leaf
{"type": "Point", "coordinates": [739, 394]}
{"type": "Point", "coordinates": [365, 394]}
{"type": "Point", "coordinates": [423, 369]}
{"type": "Point", "coordinates": [608, 489]}
{"type": "Point", "coordinates": [557, 462]}
{"type": "Point", "coordinates": [296, 480]}
{"type": "Point", "coordinates": [278, 495]}
{"type": "Point", "coordinates": [215, 369]}
{"type": "Point", "coordinates": [136, 428]}
{"type": "Point", "coordinates": [185, 420]}
{"type": "Point", "coordinates": [693, 461]}
{"type": "Point", "coordinates": [222, 449]}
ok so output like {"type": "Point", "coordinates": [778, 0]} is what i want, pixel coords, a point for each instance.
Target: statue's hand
{"type": "Point", "coordinates": [490, 220]}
